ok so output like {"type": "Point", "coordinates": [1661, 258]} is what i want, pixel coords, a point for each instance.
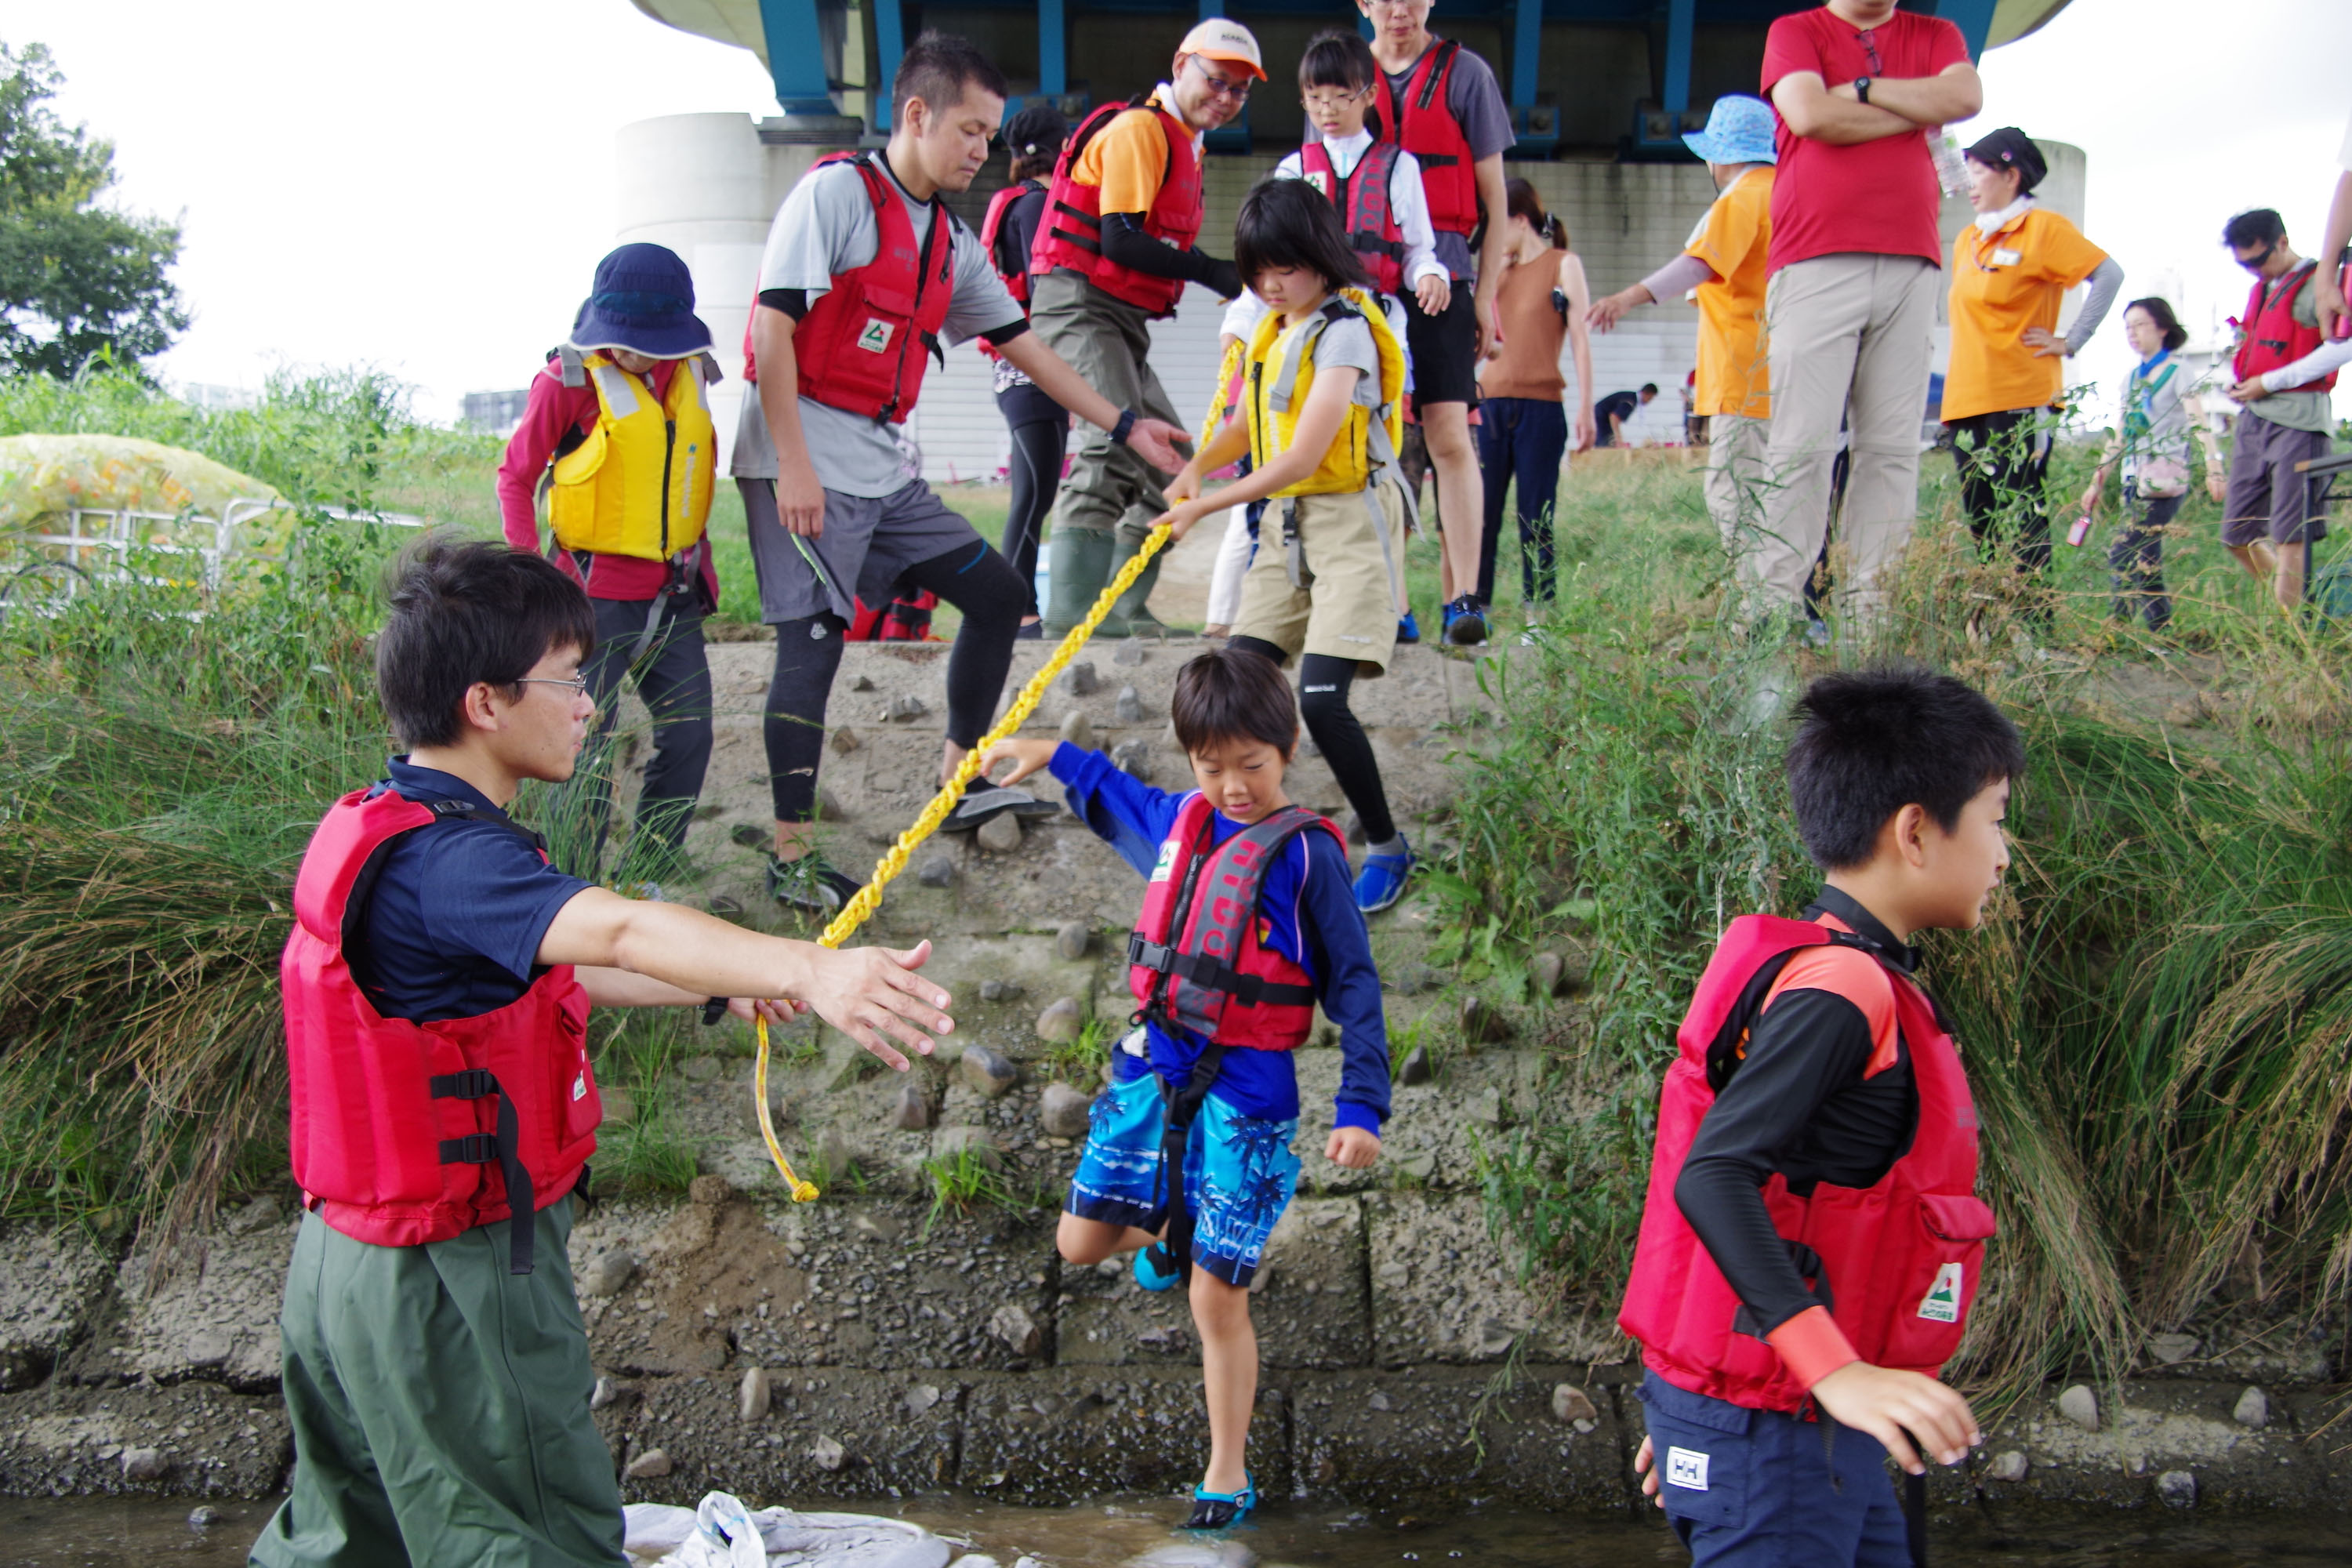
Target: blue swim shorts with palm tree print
{"type": "Point", "coordinates": [1239, 1174]}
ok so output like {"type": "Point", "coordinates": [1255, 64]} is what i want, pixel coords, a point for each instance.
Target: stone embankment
{"type": "Point", "coordinates": [878, 1342]}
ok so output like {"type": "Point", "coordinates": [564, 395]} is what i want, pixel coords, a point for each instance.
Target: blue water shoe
{"type": "Point", "coordinates": [1221, 1511]}
{"type": "Point", "coordinates": [1155, 1268]}
{"type": "Point", "coordinates": [1381, 881]}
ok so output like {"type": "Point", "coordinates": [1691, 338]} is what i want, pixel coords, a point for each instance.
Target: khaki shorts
{"type": "Point", "coordinates": [1344, 604]}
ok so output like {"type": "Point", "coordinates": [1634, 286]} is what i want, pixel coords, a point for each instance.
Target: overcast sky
{"type": "Point", "coordinates": [426, 187]}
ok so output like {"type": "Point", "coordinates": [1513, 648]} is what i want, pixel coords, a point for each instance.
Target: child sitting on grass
{"type": "Point", "coordinates": [1812, 1238]}
{"type": "Point", "coordinates": [1321, 394]}
{"type": "Point", "coordinates": [1247, 924]}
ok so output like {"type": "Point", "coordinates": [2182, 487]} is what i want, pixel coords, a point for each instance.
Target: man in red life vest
{"type": "Point", "coordinates": [1812, 1238]}
{"type": "Point", "coordinates": [1443, 103]}
{"type": "Point", "coordinates": [2286, 379]}
{"type": "Point", "coordinates": [438, 983]}
{"type": "Point", "coordinates": [866, 274]}
{"type": "Point", "coordinates": [1113, 256]}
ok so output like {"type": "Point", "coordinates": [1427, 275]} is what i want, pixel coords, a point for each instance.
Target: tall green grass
{"type": "Point", "coordinates": [2157, 1017]}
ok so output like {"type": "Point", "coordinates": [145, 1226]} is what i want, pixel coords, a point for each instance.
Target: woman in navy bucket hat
{"type": "Point", "coordinates": [643, 302]}
{"type": "Point", "coordinates": [617, 436]}
{"type": "Point", "coordinates": [1723, 266]}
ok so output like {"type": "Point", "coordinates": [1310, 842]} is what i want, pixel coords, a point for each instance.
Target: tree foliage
{"type": "Point", "coordinates": [75, 279]}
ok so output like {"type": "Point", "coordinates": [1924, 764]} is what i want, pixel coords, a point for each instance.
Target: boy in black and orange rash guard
{"type": "Point", "coordinates": [1812, 1238]}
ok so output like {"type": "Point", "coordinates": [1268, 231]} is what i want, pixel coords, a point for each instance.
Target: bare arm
{"type": "Point", "coordinates": [1318, 425]}
{"type": "Point", "coordinates": [1152, 439]}
{"type": "Point", "coordinates": [2330, 297]}
{"type": "Point", "coordinates": [866, 992]}
{"type": "Point", "coordinates": [1580, 343]}
{"type": "Point", "coordinates": [1896, 107]}
{"type": "Point", "coordinates": [1954, 94]}
{"type": "Point", "coordinates": [800, 497]}
{"type": "Point", "coordinates": [1491, 253]}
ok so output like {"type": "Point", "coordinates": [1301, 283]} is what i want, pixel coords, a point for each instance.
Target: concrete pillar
{"type": "Point", "coordinates": [699, 184]}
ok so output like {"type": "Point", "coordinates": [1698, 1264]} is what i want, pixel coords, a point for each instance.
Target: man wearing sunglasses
{"type": "Point", "coordinates": [1854, 267]}
{"type": "Point", "coordinates": [2286, 381]}
{"type": "Point", "coordinates": [1114, 255]}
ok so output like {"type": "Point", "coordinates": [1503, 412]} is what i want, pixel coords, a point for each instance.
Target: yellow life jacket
{"type": "Point", "coordinates": [640, 484]}
{"type": "Point", "coordinates": [1282, 370]}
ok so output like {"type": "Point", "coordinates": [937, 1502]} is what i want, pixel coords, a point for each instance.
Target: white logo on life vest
{"type": "Point", "coordinates": [875, 338]}
{"type": "Point", "coordinates": [1167, 866]}
{"type": "Point", "coordinates": [1942, 1302]}
{"type": "Point", "coordinates": [580, 1087]}
{"type": "Point", "coordinates": [1686, 1469]}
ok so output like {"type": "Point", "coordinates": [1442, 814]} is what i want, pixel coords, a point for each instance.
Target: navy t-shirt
{"type": "Point", "coordinates": [459, 908]}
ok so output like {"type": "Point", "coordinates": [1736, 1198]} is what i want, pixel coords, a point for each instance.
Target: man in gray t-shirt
{"type": "Point", "coordinates": [2271, 515]}
{"type": "Point", "coordinates": [833, 494]}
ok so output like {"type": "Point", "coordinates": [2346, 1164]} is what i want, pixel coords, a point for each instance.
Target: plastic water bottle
{"type": "Point", "coordinates": [1951, 170]}
{"type": "Point", "coordinates": [2074, 535]}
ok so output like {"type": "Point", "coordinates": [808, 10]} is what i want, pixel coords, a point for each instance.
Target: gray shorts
{"type": "Point", "coordinates": [868, 545]}
{"type": "Point", "coordinates": [2266, 499]}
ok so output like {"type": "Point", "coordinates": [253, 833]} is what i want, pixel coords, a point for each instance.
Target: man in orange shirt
{"type": "Point", "coordinates": [1114, 255]}
{"type": "Point", "coordinates": [1724, 264]}
{"type": "Point", "coordinates": [2011, 271]}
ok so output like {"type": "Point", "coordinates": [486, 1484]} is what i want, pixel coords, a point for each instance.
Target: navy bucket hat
{"type": "Point", "coordinates": [643, 302]}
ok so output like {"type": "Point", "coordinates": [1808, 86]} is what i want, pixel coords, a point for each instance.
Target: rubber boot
{"type": "Point", "coordinates": [1129, 617]}
{"type": "Point", "coordinates": [1079, 564]}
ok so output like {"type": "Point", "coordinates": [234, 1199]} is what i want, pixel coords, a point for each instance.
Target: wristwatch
{"type": "Point", "coordinates": [1861, 88]}
{"type": "Point", "coordinates": [1124, 428]}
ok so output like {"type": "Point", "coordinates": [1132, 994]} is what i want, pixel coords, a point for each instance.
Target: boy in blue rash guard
{"type": "Point", "coordinates": [1227, 986]}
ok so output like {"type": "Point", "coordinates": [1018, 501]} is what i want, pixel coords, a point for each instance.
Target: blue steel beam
{"type": "Point", "coordinates": [1053, 49]}
{"type": "Point", "coordinates": [1680, 15]}
{"type": "Point", "coordinates": [890, 43]}
{"type": "Point", "coordinates": [796, 56]}
{"type": "Point", "coordinates": [1974, 19]}
{"type": "Point", "coordinates": [1526, 51]}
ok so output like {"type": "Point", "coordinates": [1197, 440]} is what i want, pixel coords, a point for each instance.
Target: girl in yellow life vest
{"type": "Point", "coordinates": [618, 427]}
{"type": "Point", "coordinates": [1321, 415]}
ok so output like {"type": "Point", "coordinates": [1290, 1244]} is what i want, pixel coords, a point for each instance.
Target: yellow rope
{"type": "Point", "coordinates": [894, 860]}
{"type": "Point", "coordinates": [1217, 404]}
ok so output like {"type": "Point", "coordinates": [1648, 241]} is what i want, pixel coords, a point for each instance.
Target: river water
{"type": "Point", "coordinates": [117, 1532]}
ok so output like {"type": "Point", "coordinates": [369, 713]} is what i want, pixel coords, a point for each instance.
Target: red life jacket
{"type": "Point", "coordinates": [1071, 236]}
{"type": "Point", "coordinates": [907, 618]}
{"type": "Point", "coordinates": [1012, 267]}
{"type": "Point", "coordinates": [395, 1121]}
{"type": "Point", "coordinates": [1362, 198]}
{"type": "Point", "coordinates": [864, 344]}
{"type": "Point", "coordinates": [1215, 978]}
{"type": "Point", "coordinates": [2270, 338]}
{"type": "Point", "coordinates": [1418, 120]}
{"type": "Point", "coordinates": [1897, 1264]}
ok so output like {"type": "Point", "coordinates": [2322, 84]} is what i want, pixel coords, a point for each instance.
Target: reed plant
{"type": "Point", "coordinates": [2157, 1014]}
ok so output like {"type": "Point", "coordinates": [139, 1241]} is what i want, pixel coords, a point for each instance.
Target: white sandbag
{"type": "Point", "coordinates": [712, 1536]}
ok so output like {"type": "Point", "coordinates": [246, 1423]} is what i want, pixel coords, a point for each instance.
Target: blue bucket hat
{"type": "Point", "coordinates": [643, 302]}
{"type": "Point", "coordinates": [1739, 131]}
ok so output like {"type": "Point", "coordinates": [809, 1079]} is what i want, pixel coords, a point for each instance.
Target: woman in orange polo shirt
{"type": "Point", "coordinates": [2011, 271]}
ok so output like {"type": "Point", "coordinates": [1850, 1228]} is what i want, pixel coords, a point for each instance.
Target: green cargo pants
{"type": "Point", "coordinates": [440, 1407]}
{"type": "Point", "coordinates": [1107, 342]}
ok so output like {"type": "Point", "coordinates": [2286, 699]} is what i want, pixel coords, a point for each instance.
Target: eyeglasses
{"type": "Point", "coordinates": [1323, 100]}
{"type": "Point", "coordinates": [1218, 85]}
{"type": "Point", "coordinates": [1868, 40]}
{"type": "Point", "coordinates": [577, 685]}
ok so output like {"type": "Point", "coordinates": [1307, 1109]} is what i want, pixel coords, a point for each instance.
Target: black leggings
{"type": "Point", "coordinates": [2003, 458]}
{"type": "Point", "coordinates": [1041, 435]}
{"type": "Point", "coordinates": [976, 580]}
{"type": "Point", "coordinates": [1323, 683]}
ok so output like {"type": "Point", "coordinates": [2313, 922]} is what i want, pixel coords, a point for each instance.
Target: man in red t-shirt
{"type": "Point", "coordinates": [1855, 264]}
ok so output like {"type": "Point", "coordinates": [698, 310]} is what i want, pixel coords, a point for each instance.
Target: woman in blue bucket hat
{"type": "Point", "coordinates": [617, 437]}
{"type": "Point", "coordinates": [1722, 268]}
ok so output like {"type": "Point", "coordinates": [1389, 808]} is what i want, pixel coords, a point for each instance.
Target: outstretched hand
{"type": "Point", "coordinates": [873, 996]}
{"type": "Point", "coordinates": [1180, 518]}
{"type": "Point", "coordinates": [1026, 757]}
{"type": "Point", "coordinates": [1157, 442]}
